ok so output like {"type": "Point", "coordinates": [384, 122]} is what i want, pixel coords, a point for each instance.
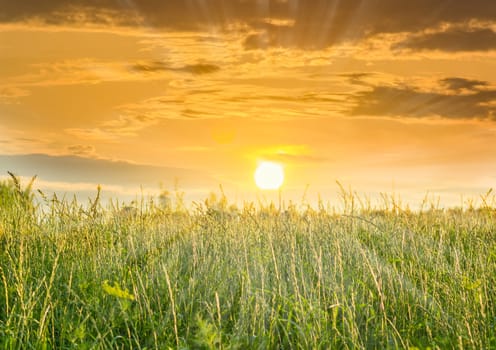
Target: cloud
{"type": "Point", "coordinates": [94, 134]}
{"type": "Point", "coordinates": [240, 100]}
{"type": "Point", "coordinates": [177, 14]}
{"type": "Point", "coordinates": [460, 84]}
{"type": "Point", "coordinates": [325, 23]}
{"type": "Point", "coordinates": [62, 12]}
{"type": "Point", "coordinates": [76, 169]}
{"type": "Point", "coordinates": [150, 67]}
{"type": "Point", "coordinates": [82, 150]}
{"type": "Point", "coordinates": [357, 78]}
{"type": "Point", "coordinates": [159, 66]}
{"type": "Point", "coordinates": [201, 68]}
{"type": "Point", "coordinates": [19, 140]}
{"type": "Point", "coordinates": [269, 34]}
{"type": "Point", "coordinates": [111, 130]}
{"type": "Point", "coordinates": [452, 40]}
{"type": "Point", "coordinates": [407, 101]}
{"type": "Point", "coordinates": [11, 94]}
{"type": "Point", "coordinates": [63, 73]}
{"type": "Point", "coordinates": [292, 23]}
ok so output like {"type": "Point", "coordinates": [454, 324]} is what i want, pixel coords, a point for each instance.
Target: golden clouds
{"type": "Point", "coordinates": [111, 130]}
{"type": "Point", "coordinates": [326, 87]}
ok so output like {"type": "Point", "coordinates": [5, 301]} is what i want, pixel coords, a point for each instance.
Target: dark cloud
{"type": "Point", "coordinates": [323, 23]}
{"type": "Point", "coordinates": [195, 114]}
{"type": "Point", "coordinates": [404, 101]}
{"type": "Point", "coordinates": [204, 91]}
{"type": "Point", "coordinates": [90, 170]}
{"type": "Point", "coordinates": [396, 16]}
{"type": "Point", "coordinates": [81, 150]}
{"type": "Point", "coordinates": [159, 66]}
{"type": "Point", "coordinates": [180, 14]}
{"type": "Point", "coordinates": [257, 41]}
{"type": "Point", "coordinates": [309, 97]}
{"type": "Point", "coordinates": [453, 40]}
{"type": "Point", "coordinates": [272, 35]}
{"type": "Point", "coordinates": [460, 84]}
{"type": "Point", "coordinates": [357, 78]}
{"type": "Point", "coordinates": [55, 12]}
{"type": "Point", "coordinates": [150, 67]}
{"type": "Point", "coordinates": [145, 119]}
{"type": "Point", "coordinates": [306, 24]}
{"type": "Point", "coordinates": [201, 68]}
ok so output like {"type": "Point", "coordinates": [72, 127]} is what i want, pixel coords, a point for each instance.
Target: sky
{"type": "Point", "coordinates": [138, 96]}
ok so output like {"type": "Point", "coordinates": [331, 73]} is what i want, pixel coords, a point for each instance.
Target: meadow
{"type": "Point", "coordinates": [215, 276]}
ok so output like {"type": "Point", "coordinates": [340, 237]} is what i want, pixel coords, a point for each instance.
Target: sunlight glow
{"type": "Point", "coordinates": [269, 176]}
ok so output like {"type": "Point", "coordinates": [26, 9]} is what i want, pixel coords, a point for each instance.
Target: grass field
{"type": "Point", "coordinates": [216, 277]}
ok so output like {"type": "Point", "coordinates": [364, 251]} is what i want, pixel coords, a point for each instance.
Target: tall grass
{"type": "Point", "coordinates": [157, 277]}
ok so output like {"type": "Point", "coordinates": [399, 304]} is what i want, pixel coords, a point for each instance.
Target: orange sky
{"type": "Point", "coordinates": [381, 95]}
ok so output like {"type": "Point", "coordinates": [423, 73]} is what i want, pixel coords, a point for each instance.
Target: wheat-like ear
{"type": "Point", "coordinates": [43, 195]}
{"type": "Point", "coordinates": [16, 181]}
{"type": "Point", "coordinates": [94, 205]}
{"type": "Point", "coordinates": [29, 187]}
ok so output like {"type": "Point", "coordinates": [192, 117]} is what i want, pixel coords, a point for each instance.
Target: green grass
{"type": "Point", "coordinates": [88, 277]}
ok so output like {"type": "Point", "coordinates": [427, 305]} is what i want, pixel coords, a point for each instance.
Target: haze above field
{"type": "Point", "coordinates": [381, 95]}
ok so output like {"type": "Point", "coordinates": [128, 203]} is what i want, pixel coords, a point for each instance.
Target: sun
{"type": "Point", "coordinates": [269, 176]}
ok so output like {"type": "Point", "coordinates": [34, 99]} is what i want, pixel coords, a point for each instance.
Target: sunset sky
{"type": "Point", "coordinates": [381, 95]}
